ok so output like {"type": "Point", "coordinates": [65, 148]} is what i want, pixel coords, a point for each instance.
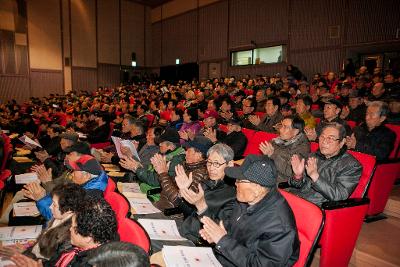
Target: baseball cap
{"type": "Point", "coordinates": [86, 163]}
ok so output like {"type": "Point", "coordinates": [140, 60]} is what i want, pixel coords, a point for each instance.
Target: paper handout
{"type": "Point", "coordinates": [28, 141]}
{"type": "Point", "coordinates": [20, 232]}
{"type": "Point", "coordinates": [142, 206]}
{"type": "Point", "coordinates": [181, 256]}
{"type": "Point", "coordinates": [25, 209]}
{"type": "Point", "coordinates": [26, 178]}
{"type": "Point", "coordinates": [161, 229]}
{"type": "Point", "coordinates": [118, 142]}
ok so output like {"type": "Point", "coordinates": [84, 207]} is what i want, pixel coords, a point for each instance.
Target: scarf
{"type": "Point", "coordinates": [68, 256]}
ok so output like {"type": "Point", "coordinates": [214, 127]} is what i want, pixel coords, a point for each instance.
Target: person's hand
{"type": "Point", "coordinates": [226, 115]}
{"type": "Point", "coordinates": [159, 163]}
{"type": "Point", "coordinates": [212, 232]}
{"type": "Point", "coordinates": [190, 134]}
{"type": "Point", "coordinates": [267, 148]}
{"type": "Point", "coordinates": [183, 135]}
{"type": "Point", "coordinates": [24, 261]}
{"type": "Point", "coordinates": [211, 134]}
{"type": "Point", "coordinates": [182, 180]}
{"type": "Point", "coordinates": [196, 199]}
{"type": "Point", "coordinates": [106, 157]}
{"type": "Point", "coordinates": [42, 155]}
{"type": "Point", "coordinates": [43, 174]}
{"type": "Point", "coordinates": [351, 141]}
{"type": "Point", "coordinates": [312, 169]}
{"type": "Point", "coordinates": [345, 112]}
{"type": "Point", "coordinates": [34, 191]}
{"type": "Point", "coordinates": [130, 164]}
{"type": "Point", "coordinates": [310, 133]}
{"type": "Point", "coordinates": [298, 166]}
{"type": "Point", "coordinates": [125, 151]}
{"type": "Point", "coordinates": [255, 120]}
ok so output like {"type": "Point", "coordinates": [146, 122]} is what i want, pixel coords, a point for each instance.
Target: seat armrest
{"type": "Point", "coordinates": [283, 185]}
{"type": "Point", "coordinates": [154, 191]}
{"type": "Point", "coordinates": [351, 202]}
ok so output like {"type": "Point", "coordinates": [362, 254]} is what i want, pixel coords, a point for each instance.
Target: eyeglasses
{"type": "Point", "coordinates": [329, 139]}
{"type": "Point", "coordinates": [215, 164]}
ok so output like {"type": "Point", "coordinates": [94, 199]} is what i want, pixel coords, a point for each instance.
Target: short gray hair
{"type": "Point", "coordinates": [223, 150]}
{"type": "Point", "coordinates": [383, 107]}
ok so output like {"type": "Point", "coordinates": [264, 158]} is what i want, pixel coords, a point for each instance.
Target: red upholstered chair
{"type": "Point", "coordinates": [259, 114]}
{"type": "Point", "coordinates": [314, 146]}
{"type": "Point", "coordinates": [223, 127]}
{"type": "Point", "coordinates": [309, 222]}
{"type": "Point", "coordinates": [132, 232]}
{"type": "Point", "coordinates": [352, 124]}
{"type": "Point", "coordinates": [7, 151]}
{"type": "Point", "coordinates": [396, 150]}
{"type": "Point", "coordinates": [239, 112]}
{"type": "Point", "coordinates": [255, 141]}
{"type": "Point", "coordinates": [118, 203]}
{"type": "Point", "coordinates": [150, 119]}
{"type": "Point", "coordinates": [343, 219]}
{"type": "Point", "coordinates": [111, 186]}
{"type": "Point", "coordinates": [5, 174]}
{"type": "Point", "coordinates": [100, 145]}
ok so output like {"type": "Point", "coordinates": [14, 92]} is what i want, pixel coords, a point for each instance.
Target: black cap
{"type": "Point", "coordinates": [255, 168]}
{"type": "Point", "coordinates": [170, 135]}
{"type": "Point", "coordinates": [336, 102]}
{"type": "Point", "coordinates": [79, 147]}
{"type": "Point", "coordinates": [86, 163]}
{"type": "Point", "coordinates": [201, 143]}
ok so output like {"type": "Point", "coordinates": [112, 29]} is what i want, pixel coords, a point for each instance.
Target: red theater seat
{"type": "Point", "coordinates": [150, 119]}
{"type": "Point", "coordinates": [118, 203]}
{"type": "Point", "coordinates": [352, 124]}
{"type": "Point", "coordinates": [111, 186]}
{"type": "Point", "coordinates": [7, 151]}
{"type": "Point", "coordinates": [255, 141]}
{"type": "Point", "coordinates": [309, 222]}
{"type": "Point", "coordinates": [132, 232]}
{"type": "Point", "coordinates": [395, 152]}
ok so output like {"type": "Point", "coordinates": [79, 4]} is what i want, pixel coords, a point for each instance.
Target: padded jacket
{"type": "Point", "coordinates": [260, 235]}
{"type": "Point", "coordinates": [338, 177]}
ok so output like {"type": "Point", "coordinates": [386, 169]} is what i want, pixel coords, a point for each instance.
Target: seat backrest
{"type": "Point", "coordinates": [314, 146]}
{"type": "Point", "coordinates": [111, 186]}
{"type": "Point", "coordinates": [223, 127]}
{"type": "Point", "coordinates": [132, 232]}
{"type": "Point", "coordinates": [239, 112]}
{"type": "Point", "coordinates": [259, 114]}
{"type": "Point", "coordinates": [352, 124]}
{"type": "Point", "coordinates": [395, 152]}
{"type": "Point", "coordinates": [309, 222]}
{"type": "Point", "coordinates": [368, 167]}
{"type": "Point", "coordinates": [7, 150]}
{"type": "Point", "coordinates": [118, 203]}
{"type": "Point", "coordinates": [255, 141]}
{"type": "Point", "coordinates": [150, 119]}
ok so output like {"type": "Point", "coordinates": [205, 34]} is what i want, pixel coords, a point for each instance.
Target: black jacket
{"type": "Point", "coordinates": [237, 141]}
{"type": "Point", "coordinates": [99, 134]}
{"type": "Point", "coordinates": [220, 199]}
{"type": "Point", "coordinates": [378, 142]}
{"type": "Point", "coordinates": [264, 234]}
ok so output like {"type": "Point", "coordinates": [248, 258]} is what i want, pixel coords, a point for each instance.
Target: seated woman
{"type": "Point", "coordinates": [190, 125]}
{"type": "Point", "coordinates": [214, 197]}
{"type": "Point", "coordinates": [56, 237]}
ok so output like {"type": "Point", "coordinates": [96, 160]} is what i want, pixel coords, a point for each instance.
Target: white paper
{"type": "Point", "coordinates": [181, 256]}
{"type": "Point", "coordinates": [28, 141]}
{"type": "Point", "coordinates": [5, 262]}
{"type": "Point", "coordinates": [118, 142]}
{"type": "Point", "coordinates": [129, 187]}
{"type": "Point", "coordinates": [25, 209]}
{"type": "Point", "coordinates": [26, 178]}
{"type": "Point", "coordinates": [161, 229]}
{"type": "Point", "coordinates": [142, 206]}
{"type": "Point", "coordinates": [81, 135]}
{"type": "Point", "coordinates": [20, 232]}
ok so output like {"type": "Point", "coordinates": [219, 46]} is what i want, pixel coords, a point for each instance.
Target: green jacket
{"type": "Point", "coordinates": [148, 175]}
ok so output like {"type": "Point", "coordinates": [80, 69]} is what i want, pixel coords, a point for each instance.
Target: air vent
{"type": "Point", "coordinates": [334, 31]}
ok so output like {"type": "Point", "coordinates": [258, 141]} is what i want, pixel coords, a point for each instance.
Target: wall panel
{"type": "Point", "coordinates": [310, 22]}
{"type": "Point", "coordinates": [372, 20]}
{"type": "Point", "coordinates": [179, 37]}
{"type": "Point", "coordinates": [203, 71]}
{"type": "Point", "coordinates": [108, 31]}
{"type": "Point", "coordinates": [156, 44]}
{"type": "Point", "coordinates": [45, 82]}
{"type": "Point", "coordinates": [265, 70]}
{"type": "Point", "coordinates": [132, 32]}
{"type": "Point", "coordinates": [14, 87]}
{"type": "Point", "coordinates": [44, 33]}
{"type": "Point", "coordinates": [83, 32]}
{"type": "Point", "coordinates": [84, 79]}
{"type": "Point", "coordinates": [262, 21]}
{"type": "Point", "coordinates": [108, 75]}
{"type": "Point", "coordinates": [213, 34]}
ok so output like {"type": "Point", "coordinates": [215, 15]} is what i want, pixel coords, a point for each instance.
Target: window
{"type": "Point", "coordinates": [265, 55]}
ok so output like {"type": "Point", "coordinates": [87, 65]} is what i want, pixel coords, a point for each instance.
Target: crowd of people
{"type": "Point", "coordinates": [189, 138]}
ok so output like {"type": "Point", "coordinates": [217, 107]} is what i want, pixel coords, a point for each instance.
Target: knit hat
{"type": "Point", "coordinates": [86, 163]}
{"type": "Point", "coordinates": [255, 168]}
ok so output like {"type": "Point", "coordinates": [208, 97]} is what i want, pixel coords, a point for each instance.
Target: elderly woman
{"type": "Point", "coordinates": [214, 197]}
{"type": "Point", "coordinates": [66, 199]}
{"type": "Point", "coordinates": [190, 125]}
{"type": "Point", "coordinates": [261, 229]}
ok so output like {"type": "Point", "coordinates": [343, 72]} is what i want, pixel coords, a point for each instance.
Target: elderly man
{"type": "Point", "coordinates": [249, 105]}
{"type": "Point", "coordinates": [291, 140]}
{"type": "Point", "coordinates": [272, 117]}
{"type": "Point", "coordinates": [356, 109]}
{"type": "Point", "coordinates": [303, 107]}
{"type": "Point", "coordinates": [261, 229]}
{"type": "Point", "coordinates": [373, 137]}
{"type": "Point", "coordinates": [214, 197]}
{"type": "Point", "coordinates": [331, 174]}
{"type": "Point", "coordinates": [100, 133]}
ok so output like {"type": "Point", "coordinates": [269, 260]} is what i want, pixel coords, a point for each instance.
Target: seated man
{"type": "Point", "coordinates": [272, 116]}
{"type": "Point", "coordinates": [291, 140]}
{"type": "Point", "coordinates": [331, 174]}
{"type": "Point", "coordinates": [194, 164]}
{"type": "Point", "coordinates": [261, 229]}
{"type": "Point", "coordinates": [356, 108]}
{"type": "Point", "coordinates": [87, 172]}
{"type": "Point", "coordinates": [102, 130]}
{"type": "Point", "coordinates": [249, 105]}
{"type": "Point", "coordinates": [214, 197]}
{"type": "Point", "coordinates": [373, 137]}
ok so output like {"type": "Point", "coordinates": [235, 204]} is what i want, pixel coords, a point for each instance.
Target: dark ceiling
{"type": "Point", "coordinates": [151, 3]}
